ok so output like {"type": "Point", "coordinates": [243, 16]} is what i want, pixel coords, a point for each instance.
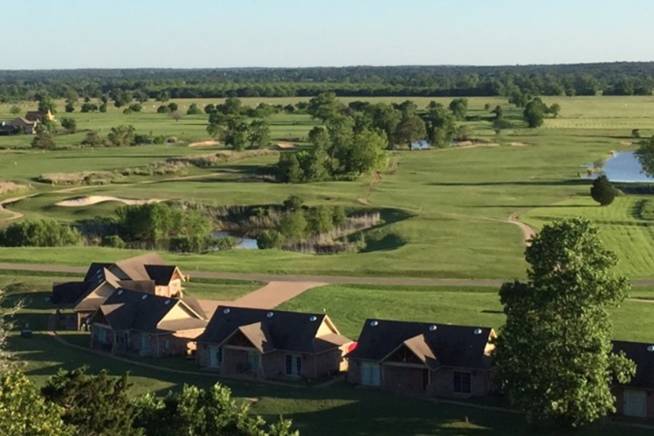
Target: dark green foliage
{"type": "Point", "coordinates": [121, 136]}
{"type": "Point", "coordinates": [410, 128]}
{"type": "Point", "coordinates": [320, 219]}
{"type": "Point", "coordinates": [325, 106]}
{"type": "Point", "coordinates": [15, 110]}
{"type": "Point", "coordinates": [293, 225]}
{"type": "Point", "coordinates": [211, 411]}
{"type": "Point", "coordinates": [553, 355]}
{"type": "Point", "coordinates": [459, 107]}
{"type": "Point", "coordinates": [157, 225]}
{"type": "Point", "coordinates": [259, 134]}
{"type": "Point", "coordinates": [163, 109]}
{"type": "Point", "coordinates": [440, 125]}
{"type": "Point", "coordinates": [270, 239]}
{"type": "Point", "coordinates": [645, 155]}
{"type": "Point", "coordinates": [534, 113]}
{"type": "Point", "coordinates": [194, 109]}
{"type": "Point", "coordinates": [293, 203]}
{"type": "Point", "coordinates": [43, 138]}
{"type": "Point", "coordinates": [47, 104]}
{"type": "Point", "coordinates": [39, 233]}
{"type": "Point", "coordinates": [93, 404]}
{"type": "Point", "coordinates": [93, 139]}
{"type": "Point", "coordinates": [114, 241]}
{"type": "Point", "coordinates": [90, 107]}
{"type": "Point", "coordinates": [69, 124]}
{"type": "Point", "coordinates": [603, 191]}
{"type": "Point", "coordinates": [70, 106]}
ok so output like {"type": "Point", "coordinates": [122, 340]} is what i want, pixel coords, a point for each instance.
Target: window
{"type": "Point", "coordinates": [293, 365]}
{"type": "Point", "coordinates": [215, 356]}
{"type": "Point", "coordinates": [253, 360]}
{"type": "Point", "coordinates": [462, 382]}
{"type": "Point", "coordinates": [370, 374]}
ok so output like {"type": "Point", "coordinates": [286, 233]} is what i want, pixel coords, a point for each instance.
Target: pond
{"type": "Point", "coordinates": [625, 167]}
{"type": "Point", "coordinates": [241, 242]}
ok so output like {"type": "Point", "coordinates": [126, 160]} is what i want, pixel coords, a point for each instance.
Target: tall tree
{"type": "Point", "coordinates": [553, 355]}
{"type": "Point", "coordinates": [410, 128]}
{"type": "Point", "coordinates": [603, 191]}
{"type": "Point", "coordinates": [459, 108]}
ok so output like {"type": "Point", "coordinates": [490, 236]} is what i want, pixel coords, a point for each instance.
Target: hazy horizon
{"type": "Point", "coordinates": [76, 34]}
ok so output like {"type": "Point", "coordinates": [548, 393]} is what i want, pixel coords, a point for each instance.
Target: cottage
{"type": "Point", "coordinates": [146, 274]}
{"type": "Point", "coordinates": [636, 398]}
{"type": "Point", "coordinates": [423, 359]}
{"type": "Point", "coordinates": [146, 324]}
{"type": "Point", "coordinates": [264, 344]}
{"type": "Point", "coordinates": [39, 116]}
{"type": "Point", "coordinates": [25, 126]}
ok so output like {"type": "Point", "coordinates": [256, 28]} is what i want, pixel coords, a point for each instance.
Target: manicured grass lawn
{"type": "Point", "coordinates": [458, 200]}
{"type": "Point", "coordinates": [350, 306]}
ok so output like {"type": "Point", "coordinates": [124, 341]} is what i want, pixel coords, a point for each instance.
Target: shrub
{"type": "Point", "coordinates": [69, 124]}
{"type": "Point", "coordinates": [270, 239]}
{"type": "Point", "coordinates": [93, 139]}
{"type": "Point", "coordinates": [603, 191]}
{"type": "Point", "coordinates": [39, 233]}
{"type": "Point", "coordinates": [114, 241]}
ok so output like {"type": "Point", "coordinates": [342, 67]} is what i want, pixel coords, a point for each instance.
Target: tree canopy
{"type": "Point", "coordinates": [553, 355]}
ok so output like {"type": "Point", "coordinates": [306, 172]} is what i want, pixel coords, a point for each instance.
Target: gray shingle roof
{"type": "Point", "coordinates": [451, 345]}
{"type": "Point", "coordinates": [289, 331]}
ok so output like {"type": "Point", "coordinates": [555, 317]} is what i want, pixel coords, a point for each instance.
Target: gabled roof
{"type": "Point", "coordinates": [161, 274]}
{"type": "Point", "coordinates": [640, 353]}
{"type": "Point", "coordinates": [100, 276]}
{"type": "Point", "coordinates": [134, 267]}
{"type": "Point", "coordinates": [129, 310]}
{"type": "Point", "coordinates": [272, 330]}
{"type": "Point", "coordinates": [434, 344]}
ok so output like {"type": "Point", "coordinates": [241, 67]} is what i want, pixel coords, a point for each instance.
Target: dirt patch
{"type": "Point", "coordinates": [96, 199]}
{"type": "Point", "coordinates": [518, 144]}
{"type": "Point", "coordinates": [210, 143]}
{"type": "Point", "coordinates": [473, 144]}
{"type": "Point", "coordinates": [7, 187]}
{"type": "Point", "coordinates": [625, 143]}
{"type": "Point", "coordinates": [283, 145]}
{"type": "Point", "coordinates": [528, 232]}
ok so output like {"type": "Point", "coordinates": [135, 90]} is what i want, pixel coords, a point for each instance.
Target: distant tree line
{"type": "Point", "coordinates": [121, 86]}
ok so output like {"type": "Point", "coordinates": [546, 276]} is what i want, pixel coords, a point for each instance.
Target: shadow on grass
{"type": "Point", "coordinates": [567, 182]}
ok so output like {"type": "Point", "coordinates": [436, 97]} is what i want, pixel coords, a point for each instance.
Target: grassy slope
{"type": "Point", "coordinates": [459, 198]}
{"type": "Point", "coordinates": [350, 306]}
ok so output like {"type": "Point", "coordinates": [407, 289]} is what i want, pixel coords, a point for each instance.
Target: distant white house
{"type": "Point", "coordinates": [421, 144]}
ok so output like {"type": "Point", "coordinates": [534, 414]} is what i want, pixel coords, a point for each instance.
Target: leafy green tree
{"type": "Point", "coordinates": [93, 139]}
{"type": "Point", "coordinates": [534, 113]}
{"type": "Point", "coordinates": [193, 109]}
{"type": "Point", "coordinates": [270, 239]}
{"type": "Point", "coordinates": [325, 106]}
{"type": "Point", "coordinates": [47, 104]}
{"type": "Point", "coordinates": [288, 168]}
{"type": "Point", "coordinates": [441, 126]}
{"type": "Point", "coordinates": [603, 191]}
{"type": "Point", "coordinates": [70, 106]}
{"type": "Point", "coordinates": [553, 355]}
{"type": "Point", "coordinates": [15, 110]}
{"type": "Point", "coordinates": [121, 136]}
{"type": "Point", "coordinates": [45, 232]}
{"type": "Point", "coordinates": [172, 106]}
{"type": "Point", "coordinates": [645, 155]}
{"type": "Point", "coordinates": [293, 225]}
{"type": "Point", "coordinates": [43, 138]}
{"type": "Point", "coordinates": [554, 110]}
{"type": "Point", "coordinates": [93, 404]}
{"type": "Point", "coordinates": [176, 115]}
{"type": "Point", "coordinates": [121, 97]}
{"type": "Point", "coordinates": [212, 411]}
{"type": "Point", "coordinates": [231, 106]}
{"type": "Point", "coordinates": [102, 107]}
{"type": "Point", "coordinates": [368, 152]}
{"type": "Point", "coordinates": [459, 108]}
{"type": "Point", "coordinates": [320, 219]}
{"type": "Point", "coordinates": [259, 134]}
{"type": "Point", "coordinates": [410, 128]}
{"type": "Point", "coordinates": [24, 412]}
{"type": "Point", "coordinates": [339, 216]}
{"type": "Point", "coordinates": [69, 124]}
{"type": "Point", "coordinates": [163, 96]}
{"type": "Point", "coordinates": [236, 133]}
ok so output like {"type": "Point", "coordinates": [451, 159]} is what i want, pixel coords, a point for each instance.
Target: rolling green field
{"type": "Point", "coordinates": [457, 200]}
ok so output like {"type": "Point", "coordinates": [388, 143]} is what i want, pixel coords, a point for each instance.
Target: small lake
{"type": "Point", "coordinates": [625, 167]}
{"type": "Point", "coordinates": [242, 243]}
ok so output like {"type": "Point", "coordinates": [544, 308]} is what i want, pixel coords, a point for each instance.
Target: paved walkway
{"type": "Point", "coordinates": [268, 297]}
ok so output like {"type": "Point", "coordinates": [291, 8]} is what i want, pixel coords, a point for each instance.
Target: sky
{"type": "Point", "coordinates": [39, 34]}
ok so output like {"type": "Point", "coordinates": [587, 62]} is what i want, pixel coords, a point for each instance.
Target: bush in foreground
{"type": "Point", "coordinates": [39, 233]}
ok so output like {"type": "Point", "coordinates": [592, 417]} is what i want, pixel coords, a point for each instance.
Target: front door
{"type": "Point", "coordinates": [635, 403]}
{"type": "Point", "coordinates": [293, 365]}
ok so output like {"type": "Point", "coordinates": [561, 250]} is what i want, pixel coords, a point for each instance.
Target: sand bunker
{"type": "Point", "coordinates": [6, 187]}
{"type": "Point", "coordinates": [96, 199]}
{"type": "Point", "coordinates": [204, 144]}
{"type": "Point", "coordinates": [518, 144]}
{"type": "Point", "coordinates": [283, 145]}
